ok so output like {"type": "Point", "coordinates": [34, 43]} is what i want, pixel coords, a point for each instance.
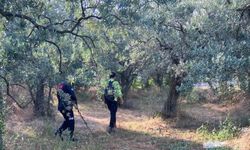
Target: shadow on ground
{"type": "Point", "coordinates": [40, 138]}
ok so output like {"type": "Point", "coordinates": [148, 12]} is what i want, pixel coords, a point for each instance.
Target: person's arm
{"type": "Point", "coordinates": [118, 91]}
{"type": "Point", "coordinates": [120, 100]}
{"type": "Point", "coordinates": [104, 85]}
{"type": "Point", "coordinates": [58, 96]}
{"type": "Point", "coordinates": [73, 98]}
{"type": "Point", "coordinates": [59, 99]}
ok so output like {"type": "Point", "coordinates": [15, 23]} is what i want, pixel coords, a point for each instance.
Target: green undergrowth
{"type": "Point", "coordinates": [226, 130]}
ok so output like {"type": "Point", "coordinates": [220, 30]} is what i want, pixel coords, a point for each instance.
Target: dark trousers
{"type": "Point", "coordinates": [112, 105]}
{"type": "Point", "coordinates": [69, 122]}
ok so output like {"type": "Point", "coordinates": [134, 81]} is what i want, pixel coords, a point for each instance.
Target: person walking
{"type": "Point", "coordinates": [66, 100]}
{"type": "Point", "coordinates": [112, 94]}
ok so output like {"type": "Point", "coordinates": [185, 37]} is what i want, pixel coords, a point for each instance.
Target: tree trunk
{"type": "Point", "coordinates": [159, 79]}
{"type": "Point", "coordinates": [147, 84]}
{"type": "Point", "coordinates": [31, 93]}
{"type": "Point", "coordinates": [1, 119]}
{"type": "Point", "coordinates": [49, 111]}
{"type": "Point", "coordinates": [170, 106]}
{"type": "Point", "coordinates": [248, 84]}
{"type": "Point", "coordinates": [126, 82]}
{"type": "Point", "coordinates": [214, 89]}
{"type": "Point", "coordinates": [127, 77]}
{"type": "Point", "coordinates": [41, 107]}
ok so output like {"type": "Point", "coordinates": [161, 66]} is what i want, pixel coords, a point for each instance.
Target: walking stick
{"type": "Point", "coordinates": [85, 122]}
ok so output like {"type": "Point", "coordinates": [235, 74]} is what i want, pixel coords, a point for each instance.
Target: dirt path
{"type": "Point", "coordinates": [97, 116]}
{"type": "Point", "coordinates": [123, 138]}
{"type": "Point", "coordinates": [136, 129]}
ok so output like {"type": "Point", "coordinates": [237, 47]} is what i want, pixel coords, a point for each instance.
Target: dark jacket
{"type": "Point", "coordinates": [66, 97]}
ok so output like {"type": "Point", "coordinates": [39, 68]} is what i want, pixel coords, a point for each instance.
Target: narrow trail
{"type": "Point", "coordinates": [136, 130]}
{"type": "Point", "coordinates": [97, 116]}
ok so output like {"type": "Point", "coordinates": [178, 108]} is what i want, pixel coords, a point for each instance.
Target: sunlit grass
{"type": "Point", "coordinates": [138, 128]}
{"type": "Point", "coordinates": [29, 131]}
{"type": "Point", "coordinates": [42, 138]}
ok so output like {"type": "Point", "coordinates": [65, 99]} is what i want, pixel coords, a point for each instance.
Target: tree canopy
{"type": "Point", "coordinates": [44, 42]}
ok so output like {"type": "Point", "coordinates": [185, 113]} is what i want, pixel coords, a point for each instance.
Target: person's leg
{"type": "Point", "coordinates": [63, 126]}
{"type": "Point", "coordinates": [109, 104]}
{"type": "Point", "coordinates": [113, 114]}
{"type": "Point", "coordinates": [71, 124]}
{"type": "Point", "coordinates": [115, 110]}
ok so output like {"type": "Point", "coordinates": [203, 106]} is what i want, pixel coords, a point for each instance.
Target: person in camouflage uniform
{"type": "Point", "coordinates": [66, 101]}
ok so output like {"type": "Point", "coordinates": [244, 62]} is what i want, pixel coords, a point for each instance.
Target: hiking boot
{"type": "Point", "coordinates": [59, 133]}
{"type": "Point", "coordinates": [114, 129]}
{"type": "Point", "coordinates": [109, 130]}
{"type": "Point", "coordinates": [73, 139]}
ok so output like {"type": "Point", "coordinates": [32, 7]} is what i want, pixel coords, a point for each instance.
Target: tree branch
{"type": "Point", "coordinates": [9, 15]}
{"type": "Point", "coordinates": [164, 46]}
{"type": "Point", "coordinates": [60, 54]}
{"type": "Point", "coordinates": [32, 30]}
{"type": "Point", "coordinates": [18, 85]}
{"type": "Point", "coordinates": [8, 93]}
{"type": "Point", "coordinates": [50, 21]}
{"type": "Point", "coordinates": [121, 21]}
{"type": "Point", "coordinates": [64, 21]}
{"type": "Point", "coordinates": [243, 10]}
{"type": "Point", "coordinates": [83, 10]}
{"type": "Point", "coordinates": [179, 27]}
{"type": "Point", "coordinates": [228, 2]}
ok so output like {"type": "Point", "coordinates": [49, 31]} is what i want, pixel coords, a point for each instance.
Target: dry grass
{"type": "Point", "coordinates": [242, 142]}
{"type": "Point", "coordinates": [138, 128]}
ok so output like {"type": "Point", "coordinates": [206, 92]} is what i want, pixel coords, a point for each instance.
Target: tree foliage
{"type": "Point", "coordinates": [44, 42]}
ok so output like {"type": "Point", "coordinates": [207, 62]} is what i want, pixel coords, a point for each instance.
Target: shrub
{"type": "Point", "coordinates": [227, 130]}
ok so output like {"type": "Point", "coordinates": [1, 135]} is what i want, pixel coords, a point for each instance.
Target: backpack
{"type": "Point", "coordinates": [65, 100]}
{"type": "Point", "coordinates": [109, 92]}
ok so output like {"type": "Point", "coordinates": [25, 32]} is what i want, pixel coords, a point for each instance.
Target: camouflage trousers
{"type": "Point", "coordinates": [69, 122]}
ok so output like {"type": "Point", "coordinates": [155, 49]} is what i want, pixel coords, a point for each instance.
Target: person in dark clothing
{"type": "Point", "coordinates": [112, 93]}
{"type": "Point", "coordinates": [66, 101]}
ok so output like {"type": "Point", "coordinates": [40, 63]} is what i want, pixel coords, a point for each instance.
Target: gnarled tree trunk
{"type": "Point", "coordinates": [1, 119]}
{"type": "Point", "coordinates": [248, 86]}
{"type": "Point", "coordinates": [126, 83]}
{"type": "Point", "coordinates": [159, 79]}
{"type": "Point", "coordinates": [170, 106]}
{"type": "Point", "coordinates": [127, 77]}
{"type": "Point", "coordinates": [41, 106]}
